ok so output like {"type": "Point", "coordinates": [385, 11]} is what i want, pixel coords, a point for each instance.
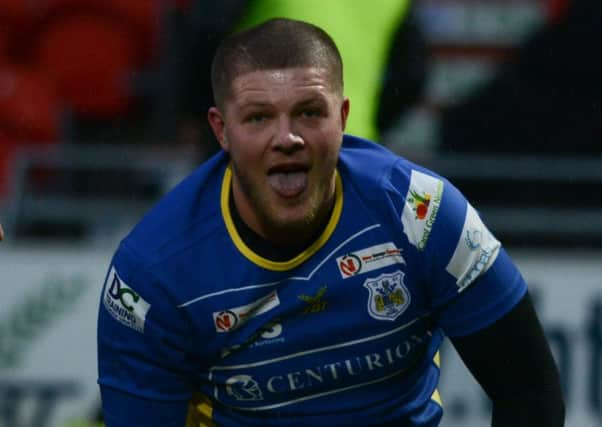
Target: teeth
{"type": "Point", "coordinates": [288, 184]}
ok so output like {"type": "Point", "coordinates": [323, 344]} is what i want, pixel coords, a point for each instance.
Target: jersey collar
{"type": "Point", "coordinates": [267, 263]}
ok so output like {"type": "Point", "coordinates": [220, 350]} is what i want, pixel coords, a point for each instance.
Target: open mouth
{"type": "Point", "coordinates": [288, 180]}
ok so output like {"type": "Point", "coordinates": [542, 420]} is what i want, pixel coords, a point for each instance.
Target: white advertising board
{"type": "Point", "coordinates": [48, 309]}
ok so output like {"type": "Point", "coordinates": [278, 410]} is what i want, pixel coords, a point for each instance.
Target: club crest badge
{"type": "Point", "coordinates": [389, 297]}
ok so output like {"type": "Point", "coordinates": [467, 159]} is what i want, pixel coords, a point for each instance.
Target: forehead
{"type": "Point", "coordinates": [288, 83]}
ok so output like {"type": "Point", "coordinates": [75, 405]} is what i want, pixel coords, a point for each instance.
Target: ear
{"type": "Point", "coordinates": [218, 125]}
{"type": "Point", "coordinates": [344, 112]}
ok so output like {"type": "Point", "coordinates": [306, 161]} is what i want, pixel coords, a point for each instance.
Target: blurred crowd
{"type": "Point", "coordinates": [72, 70]}
{"type": "Point", "coordinates": [137, 71]}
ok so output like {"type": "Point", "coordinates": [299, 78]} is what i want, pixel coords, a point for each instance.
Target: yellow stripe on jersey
{"type": "Point", "coordinates": [264, 262]}
{"type": "Point", "coordinates": [200, 412]}
{"type": "Point", "coordinates": [436, 396]}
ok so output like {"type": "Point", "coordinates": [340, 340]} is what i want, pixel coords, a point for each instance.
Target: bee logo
{"type": "Point", "coordinates": [315, 304]}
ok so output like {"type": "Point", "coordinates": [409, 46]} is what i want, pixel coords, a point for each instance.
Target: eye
{"type": "Point", "coordinates": [256, 117]}
{"type": "Point", "coordinates": [311, 112]}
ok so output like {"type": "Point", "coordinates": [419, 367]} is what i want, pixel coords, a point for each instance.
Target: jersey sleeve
{"type": "Point", "coordinates": [143, 361]}
{"type": "Point", "coordinates": [471, 280]}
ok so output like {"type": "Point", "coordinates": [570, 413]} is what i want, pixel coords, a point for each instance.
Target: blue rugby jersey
{"type": "Point", "coordinates": [197, 329]}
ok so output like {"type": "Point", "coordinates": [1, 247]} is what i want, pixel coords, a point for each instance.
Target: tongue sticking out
{"type": "Point", "coordinates": [288, 184]}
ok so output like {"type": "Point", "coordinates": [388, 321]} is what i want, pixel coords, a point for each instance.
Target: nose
{"type": "Point", "coordinates": [285, 138]}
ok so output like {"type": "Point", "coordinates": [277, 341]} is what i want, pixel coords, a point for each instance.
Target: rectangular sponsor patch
{"type": "Point", "coordinates": [233, 318]}
{"type": "Point", "coordinates": [123, 303]}
{"type": "Point", "coordinates": [475, 251]}
{"type": "Point", "coordinates": [369, 259]}
{"type": "Point", "coordinates": [421, 206]}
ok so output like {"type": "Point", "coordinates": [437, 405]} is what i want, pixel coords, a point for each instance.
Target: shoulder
{"type": "Point", "coordinates": [361, 155]}
{"type": "Point", "coordinates": [156, 260]}
{"type": "Point", "coordinates": [186, 215]}
{"type": "Point", "coordinates": [427, 204]}
{"type": "Point", "coordinates": [368, 165]}
{"type": "Point", "coordinates": [378, 172]}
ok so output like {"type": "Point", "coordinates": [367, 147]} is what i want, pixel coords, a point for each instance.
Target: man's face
{"type": "Point", "coordinates": [283, 130]}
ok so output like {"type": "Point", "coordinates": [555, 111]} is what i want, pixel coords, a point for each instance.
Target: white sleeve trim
{"type": "Point", "coordinates": [475, 252]}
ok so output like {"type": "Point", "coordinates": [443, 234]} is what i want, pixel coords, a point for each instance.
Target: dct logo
{"type": "Point", "coordinates": [123, 294]}
{"type": "Point", "coordinates": [123, 303]}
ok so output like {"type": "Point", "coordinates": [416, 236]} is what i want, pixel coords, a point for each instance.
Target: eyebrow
{"type": "Point", "coordinates": [254, 104]}
{"type": "Point", "coordinates": [318, 101]}
{"type": "Point", "coordinates": [314, 100]}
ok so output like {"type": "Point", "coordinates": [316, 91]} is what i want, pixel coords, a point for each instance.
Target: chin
{"type": "Point", "coordinates": [292, 215]}
{"type": "Point", "coordinates": [292, 222]}
{"type": "Point", "coordinates": [291, 218]}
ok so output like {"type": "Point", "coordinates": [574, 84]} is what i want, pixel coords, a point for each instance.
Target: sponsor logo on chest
{"type": "Point", "coordinates": [280, 382]}
{"type": "Point", "coordinates": [369, 259]}
{"type": "Point", "coordinates": [233, 318]}
{"type": "Point", "coordinates": [267, 334]}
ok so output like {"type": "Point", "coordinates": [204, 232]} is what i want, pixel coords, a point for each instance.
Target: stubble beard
{"type": "Point", "coordinates": [276, 226]}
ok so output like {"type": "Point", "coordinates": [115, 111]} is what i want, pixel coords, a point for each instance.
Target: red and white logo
{"type": "Point", "coordinates": [225, 321]}
{"type": "Point", "coordinates": [232, 318]}
{"type": "Point", "coordinates": [350, 265]}
{"type": "Point", "coordinates": [369, 259]}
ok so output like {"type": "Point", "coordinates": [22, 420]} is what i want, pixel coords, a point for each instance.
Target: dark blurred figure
{"type": "Point", "coordinates": [405, 73]}
{"type": "Point", "coordinates": [202, 25]}
{"type": "Point", "coordinates": [546, 100]}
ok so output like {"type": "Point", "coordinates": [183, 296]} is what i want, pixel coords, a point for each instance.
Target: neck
{"type": "Point", "coordinates": [302, 234]}
{"type": "Point", "coordinates": [272, 248]}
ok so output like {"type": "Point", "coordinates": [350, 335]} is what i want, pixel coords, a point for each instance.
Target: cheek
{"type": "Point", "coordinates": [243, 149]}
{"type": "Point", "coordinates": [246, 161]}
{"type": "Point", "coordinates": [328, 149]}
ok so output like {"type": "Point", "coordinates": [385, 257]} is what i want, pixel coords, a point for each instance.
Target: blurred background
{"type": "Point", "coordinates": [103, 109]}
